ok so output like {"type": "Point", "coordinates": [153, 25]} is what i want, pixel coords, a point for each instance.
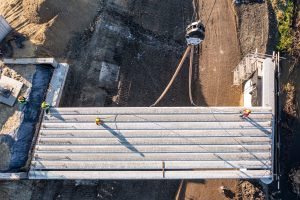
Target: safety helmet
{"type": "Point", "coordinates": [44, 104]}
{"type": "Point", "coordinates": [21, 98]}
{"type": "Point", "coordinates": [247, 110]}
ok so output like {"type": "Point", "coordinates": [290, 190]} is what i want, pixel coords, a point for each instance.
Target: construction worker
{"type": "Point", "coordinates": [45, 107]}
{"type": "Point", "coordinates": [98, 121]}
{"type": "Point", "coordinates": [246, 113]}
{"type": "Point", "coordinates": [22, 100]}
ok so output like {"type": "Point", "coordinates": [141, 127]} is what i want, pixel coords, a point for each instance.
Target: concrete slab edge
{"type": "Point", "coordinates": [63, 83]}
{"type": "Point", "coordinates": [13, 176]}
{"type": "Point", "coordinates": [31, 61]}
{"type": "Point", "coordinates": [57, 84]}
{"type": "Point", "coordinates": [5, 28]}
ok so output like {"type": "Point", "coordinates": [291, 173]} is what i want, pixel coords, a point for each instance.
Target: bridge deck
{"type": "Point", "coordinates": [153, 143]}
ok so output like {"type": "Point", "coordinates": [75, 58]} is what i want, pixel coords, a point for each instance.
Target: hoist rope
{"type": "Point", "coordinates": [191, 75]}
{"type": "Point", "coordinates": [196, 10]}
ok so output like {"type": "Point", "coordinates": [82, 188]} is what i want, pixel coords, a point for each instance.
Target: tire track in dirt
{"type": "Point", "coordinates": [220, 54]}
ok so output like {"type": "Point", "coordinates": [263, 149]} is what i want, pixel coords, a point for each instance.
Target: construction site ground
{"type": "Point", "coordinates": [146, 38]}
{"type": "Point", "coordinates": [10, 116]}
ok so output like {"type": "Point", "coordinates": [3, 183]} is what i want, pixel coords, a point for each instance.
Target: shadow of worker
{"type": "Point", "coordinates": [122, 140]}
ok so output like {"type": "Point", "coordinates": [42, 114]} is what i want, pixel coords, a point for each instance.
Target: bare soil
{"type": "Point", "coordinates": [35, 20]}
{"type": "Point", "coordinates": [220, 54]}
{"type": "Point", "coordinates": [249, 190]}
{"type": "Point", "coordinates": [49, 25]}
{"type": "Point", "coordinates": [147, 46]}
{"type": "Point", "coordinates": [208, 189]}
{"type": "Point", "coordinates": [137, 34]}
{"type": "Point", "coordinates": [153, 37]}
{"type": "Point", "coordinates": [253, 27]}
{"type": "Point", "coordinates": [10, 116]}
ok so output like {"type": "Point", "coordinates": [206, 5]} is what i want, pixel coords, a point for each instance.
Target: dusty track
{"type": "Point", "coordinates": [220, 54]}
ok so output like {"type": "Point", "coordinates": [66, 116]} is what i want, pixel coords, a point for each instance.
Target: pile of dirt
{"type": "Point", "coordinates": [250, 191]}
{"type": "Point", "coordinates": [14, 12]}
{"type": "Point", "coordinates": [290, 106]}
{"type": "Point", "coordinates": [48, 24]}
{"type": "Point", "coordinates": [295, 53]}
{"type": "Point", "coordinates": [30, 10]}
{"type": "Point", "coordinates": [253, 27]}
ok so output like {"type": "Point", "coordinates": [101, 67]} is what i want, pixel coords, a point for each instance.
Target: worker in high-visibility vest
{"type": "Point", "coordinates": [98, 121]}
{"type": "Point", "coordinates": [46, 107]}
{"type": "Point", "coordinates": [22, 100]}
{"type": "Point", "coordinates": [246, 113]}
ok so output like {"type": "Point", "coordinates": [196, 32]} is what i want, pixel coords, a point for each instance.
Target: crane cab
{"type": "Point", "coordinates": [195, 33]}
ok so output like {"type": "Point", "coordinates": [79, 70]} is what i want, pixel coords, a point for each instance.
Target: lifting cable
{"type": "Point", "coordinates": [187, 51]}
{"type": "Point", "coordinates": [191, 75]}
{"type": "Point", "coordinates": [196, 9]}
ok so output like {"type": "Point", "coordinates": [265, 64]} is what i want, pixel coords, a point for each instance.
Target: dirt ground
{"type": "Point", "coordinates": [253, 27]}
{"type": "Point", "coordinates": [83, 52]}
{"type": "Point", "coordinates": [219, 56]}
{"type": "Point", "coordinates": [136, 36]}
{"type": "Point", "coordinates": [43, 23]}
{"type": "Point", "coordinates": [220, 53]}
{"type": "Point", "coordinates": [10, 116]}
{"type": "Point", "coordinates": [49, 25]}
{"type": "Point", "coordinates": [196, 189]}
{"type": "Point", "coordinates": [132, 34]}
{"type": "Point", "coordinates": [235, 190]}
